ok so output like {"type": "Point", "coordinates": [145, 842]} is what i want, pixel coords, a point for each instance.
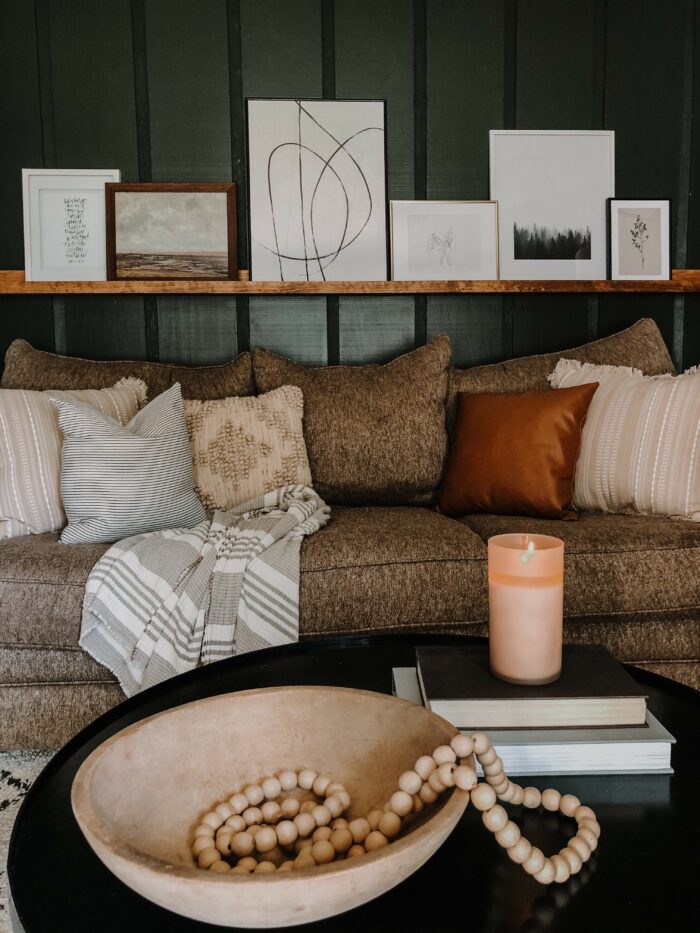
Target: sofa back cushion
{"type": "Point", "coordinates": [374, 434]}
{"type": "Point", "coordinates": [28, 368]}
{"type": "Point", "coordinates": [640, 346]}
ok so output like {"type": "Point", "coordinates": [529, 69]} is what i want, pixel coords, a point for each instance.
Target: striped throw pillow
{"type": "Point", "coordinates": [122, 480]}
{"type": "Point", "coordinates": [30, 451]}
{"type": "Point", "coordinates": [640, 443]}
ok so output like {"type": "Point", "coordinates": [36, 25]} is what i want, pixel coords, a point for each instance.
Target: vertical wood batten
{"type": "Point", "coordinates": [376, 332]}
{"type": "Point", "coordinates": [420, 143]}
{"type": "Point", "coordinates": [238, 160]}
{"type": "Point", "coordinates": [465, 75]}
{"type": "Point", "coordinates": [197, 329]}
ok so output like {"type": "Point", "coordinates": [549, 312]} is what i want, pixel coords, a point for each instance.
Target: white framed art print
{"type": "Point", "coordinates": [317, 190]}
{"type": "Point", "coordinates": [64, 224]}
{"type": "Point", "coordinates": [440, 240]}
{"type": "Point", "coordinates": [640, 238]}
{"type": "Point", "coordinates": [552, 188]}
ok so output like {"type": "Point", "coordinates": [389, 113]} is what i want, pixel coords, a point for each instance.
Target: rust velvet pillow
{"type": "Point", "coordinates": [515, 454]}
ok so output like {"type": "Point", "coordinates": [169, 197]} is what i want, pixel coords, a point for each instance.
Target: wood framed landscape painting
{"type": "Point", "coordinates": [317, 190]}
{"type": "Point", "coordinates": [171, 231]}
{"type": "Point", "coordinates": [552, 188]}
{"type": "Point", "coordinates": [640, 239]}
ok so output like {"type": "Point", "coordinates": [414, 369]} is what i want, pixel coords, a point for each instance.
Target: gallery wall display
{"type": "Point", "coordinates": [439, 240]}
{"type": "Point", "coordinates": [552, 188]}
{"type": "Point", "coordinates": [171, 231]}
{"type": "Point", "coordinates": [64, 223]}
{"type": "Point", "coordinates": [639, 231]}
{"type": "Point", "coordinates": [317, 189]}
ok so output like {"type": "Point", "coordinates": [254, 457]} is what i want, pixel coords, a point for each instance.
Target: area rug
{"type": "Point", "coordinates": [17, 773]}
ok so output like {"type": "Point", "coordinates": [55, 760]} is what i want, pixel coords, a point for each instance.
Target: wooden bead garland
{"type": "Point", "coordinates": [244, 834]}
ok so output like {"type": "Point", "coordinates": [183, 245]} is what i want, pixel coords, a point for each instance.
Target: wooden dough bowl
{"type": "Point", "coordinates": [139, 796]}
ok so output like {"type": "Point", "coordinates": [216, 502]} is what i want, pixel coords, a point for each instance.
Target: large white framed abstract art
{"type": "Point", "coordinates": [552, 188]}
{"type": "Point", "coordinates": [317, 189]}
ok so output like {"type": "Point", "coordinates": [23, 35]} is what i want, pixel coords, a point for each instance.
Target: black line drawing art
{"type": "Point", "coordinates": [441, 248]}
{"type": "Point", "coordinates": [322, 158]}
{"type": "Point", "coordinates": [534, 242]}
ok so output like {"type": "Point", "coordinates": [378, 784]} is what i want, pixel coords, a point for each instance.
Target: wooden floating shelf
{"type": "Point", "coordinates": [13, 283]}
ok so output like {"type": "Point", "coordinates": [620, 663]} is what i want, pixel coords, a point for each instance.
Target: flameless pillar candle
{"type": "Point", "coordinates": [526, 607]}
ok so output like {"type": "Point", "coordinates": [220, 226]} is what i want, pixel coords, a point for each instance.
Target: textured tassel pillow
{"type": "Point", "coordinates": [639, 450]}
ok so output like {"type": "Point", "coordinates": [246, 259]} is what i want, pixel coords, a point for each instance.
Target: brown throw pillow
{"type": "Point", "coordinates": [374, 434]}
{"type": "Point", "coordinates": [27, 368]}
{"type": "Point", "coordinates": [515, 454]}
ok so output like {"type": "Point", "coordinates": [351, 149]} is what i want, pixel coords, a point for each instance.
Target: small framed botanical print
{"type": "Point", "coordinates": [639, 237]}
{"type": "Point", "coordinates": [441, 240]}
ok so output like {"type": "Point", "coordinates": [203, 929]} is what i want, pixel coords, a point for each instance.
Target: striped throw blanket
{"type": "Point", "coordinates": [162, 603]}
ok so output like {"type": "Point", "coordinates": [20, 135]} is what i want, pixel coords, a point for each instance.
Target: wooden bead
{"type": "Point", "coordinates": [271, 788]}
{"type": "Point", "coordinates": [323, 832]}
{"type": "Point", "coordinates": [221, 867]}
{"type": "Point", "coordinates": [200, 844]}
{"type": "Point", "coordinates": [572, 858]}
{"type": "Point", "coordinates": [305, 823]}
{"type": "Point", "coordinates": [208, 856]}
{"type": "Point", "coordinates": [252, 815]}
{"type": "Point", "coordinates": [401, 803]}
{"type": "Point", "coordinates": [568, 804]}
{"type": "Point", "coordinates": [496, 781]}
{"type": "Point", "coordinates": [265, 839]}
{"type": "Point", "coordinates": [546, 873]}
{"type": "Point", "coordinates": [287, 833]}
{"type": "Point", "coordinates": [444, 754]}
{"type": "Point", "coordinates": [240, 871]}
{"type": "Point", "coordinates": [375, 840]}
{"type": "Point", "coordinates": [508, 835]}
{"type": "Point", "coordinates": [323, 852]}
{"type": "Point", "coordinates": [532, 797]}
{"type": "Point", "coordinates": [361, 828]}
{"type": "Point", "coordinates": [581, 847]}
{"type": "Point", "coordinates": [223, 842]}
{"type": "Point", "coordinates": [373, 818]}
{"type": "Point", "coordinates": [335, 805]}
{"type": "Point", "coordinates": [247, 863]}
{"type": "Point", "coordinates": [254, 793]}
{"type": "Point", "coordinates": [562, 872]}
{"type": "Point", "coordinates": [462, 745]}
{"type": "Point", "coordinates": [239, 803]}
{"type": "Point", "coordinates": [446, 772]}
{"type": "Point", "coordinates": [464, 777]}
{"type": "Point", "coordinates": [355, 850]}
{"type": "Point", "coordinates": [411, 782]}
{"type": "Point", "coordinates": [489, 756]}
{"type": "Point", "coordinates": [344, 797]}
{"type": "Point", "coordinates": [517, 795]}
{"type": "Point", "coordinates": [265, 868]}
{"type": "Point", "coordinates": [427, 794]}
{"type": "Point", "coordinates": [235, 823]}
{"type": "Point", "coordinates": [287, 779]}
{"type": "Point", "coordinates": [271, 811]}
{"type": "Point", "coordinates": [424, 766]}
{"type": "Point", "coordinates": [496, 767]}
{"type": "Point", "coordinates": [483, 797]}
{"type": "Point", "coordinates": [583, 813]}
{"type": "Point", "coordinates": [254, 829]}
{"type": "Point", "coordinates": [242, 844]}
{"type": "Point", "coordinates": [224, 810]}
{"type": "Point", "coordinates": [507, 794]}
{"type": "Point", "coordinates": [495, 818]}
{"type": "Point", "coordinates": [307, 806]}
{"type": "Point", "coordinates": [321, 815]}
{"type": "Point", "coordinates": [588, 837]}
{"type": "Point", "coordinates": [305, 859]}
{"type": "Point", "coordinates": [306, 778]}
{"type": "Point", "coordinates": [521, 851]}
{"type": "Point", "coordinates": [204, 829]}
{"type": "Point", "coordinates": [286, 866]}
{"type": "Point", "coordinates": [213, 820]}
{"type": "Point", "coordinates": [334, 787]}
{"type": "Point", "coordinates": [435, 782]}
{"type": "Point", "coordinates": [390, 824]}
{"type": "Point", "coordinates": [550, 799]}
{"type": "Point", "coordinates": [340, 823]}
{"type": "Point", "coordinates": [341, 840]}
{"type": "Point", "coordinates": [591, 825]}
{"type": "Point", "coordinates": [534, 864]}
{"type": "Point", "coordinates": [481, 743]}
{"type": "Point", "coordinates": [320, 784]}
{"type": "Point", "coordinates": [302, 844]}
{"type": "Point", "coordinates": [417, 804]}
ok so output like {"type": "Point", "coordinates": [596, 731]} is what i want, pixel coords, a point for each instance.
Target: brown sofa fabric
{"type": "Point", "coordinates": [374, 434]}
{"type": "Point", "coordinates": [28, 368]}
{"type": "Point", "coordinates": [640, 346]}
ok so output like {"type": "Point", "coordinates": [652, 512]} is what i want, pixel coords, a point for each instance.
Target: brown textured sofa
{"type": "Point", "coordinates": [632, 582]}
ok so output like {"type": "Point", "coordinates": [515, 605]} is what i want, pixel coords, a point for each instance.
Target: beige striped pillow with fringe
{"type": "Point", "coordinates": [30, 451]}
{"type": "Point", "coordinates": [639, 448]}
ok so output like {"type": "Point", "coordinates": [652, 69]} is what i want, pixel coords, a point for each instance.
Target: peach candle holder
{"type": "Point", "coordinates": [526, 607]}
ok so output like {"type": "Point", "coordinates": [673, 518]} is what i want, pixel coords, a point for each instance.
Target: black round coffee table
{"type": "Point", "coordinates": [644, 876]}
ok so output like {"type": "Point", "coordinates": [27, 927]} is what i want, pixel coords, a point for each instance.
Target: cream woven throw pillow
{"type": "Point", "coordinates": [245, 447]}
{"type": "Point", "coordinates": [30, 451]}
{"type": "Point", "coordinates": [639, 449]}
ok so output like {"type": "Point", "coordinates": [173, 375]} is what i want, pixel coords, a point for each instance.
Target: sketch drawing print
{"type": "Point", "coordinates": [441, 248]}
{"type": "Point", "coordinates": [317, 198]}
{"type": "Point", "coordinates": [639, 236]}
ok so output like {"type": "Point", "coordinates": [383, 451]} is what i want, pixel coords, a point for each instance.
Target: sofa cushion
{"type": "Point", "coordinates": [640, 346]}
{"type": "Point", "coordinates": [374, 434]}
{"type": "Point", "coordinates": [618, 565]}
{"type": "Point", "coordinates": [27, 368]}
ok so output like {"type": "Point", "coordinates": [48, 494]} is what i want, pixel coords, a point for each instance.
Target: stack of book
{"type": "Point", "coordinates": [592, 720]}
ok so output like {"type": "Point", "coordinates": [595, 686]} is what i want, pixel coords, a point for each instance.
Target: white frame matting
{"type": "Point", "coordinates": [663, 205]}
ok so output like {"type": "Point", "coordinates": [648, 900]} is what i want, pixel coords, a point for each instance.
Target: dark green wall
{"type": "Point", "coordinates": [156, 88]}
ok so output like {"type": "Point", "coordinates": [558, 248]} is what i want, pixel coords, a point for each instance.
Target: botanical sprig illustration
{"type": "Point", "coordinates": [639, 235]}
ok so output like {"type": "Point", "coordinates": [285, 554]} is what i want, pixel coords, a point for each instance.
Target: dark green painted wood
{"type": "Point", "coordinates": [691, 333]}
{"type": "Point", "coordinates": [27, 317]}
{"type": "Point", "coordinates": [626, 309]}
{"type": "Point", "coordinates": [292, 327]}
{"type": "Point", "coordinates": [553, 323]}
{"type": "Point", "coordinates": [375, 332]}
{"type": "Point", "coordinates": [187, 54]}
{"type": "Point", "coordinates": [473, 324]}
{"type": "Point", "coordinates": [691, 336]}
{"type": "Point", "coordinates": [197, 329]}
{"type": "Point", "coordinates": [102, 327]}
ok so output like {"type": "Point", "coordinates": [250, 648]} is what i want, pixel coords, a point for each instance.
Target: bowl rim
{"type": "Point", "coordinates": [86, 816]}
